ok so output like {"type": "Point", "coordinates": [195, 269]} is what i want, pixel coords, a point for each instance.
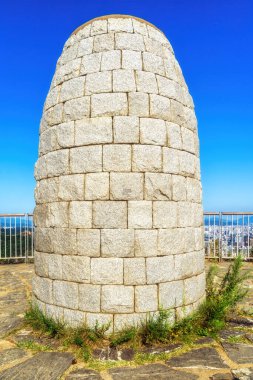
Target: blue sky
{"type": "Point", "coordinates": [213, 43]}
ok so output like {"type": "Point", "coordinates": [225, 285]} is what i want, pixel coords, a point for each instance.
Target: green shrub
{"type": "Point", "coordinates": [155, 328]}
{"type": "Point", "coordinates": [128, 334]}
{"type": "Point", "coordinates": [39, 321]}
{"type": "Point", "coordinates": [221, 297]}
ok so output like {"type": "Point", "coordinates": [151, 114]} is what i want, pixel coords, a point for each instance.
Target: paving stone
{"type": "Point", "coordinates": [113, 353]}
{"type": "Point", "coordinates": [9, 355]}
{"type": "Point", "coordinates": [8, 324]}
{"type": "Point", "coordinates": [83, 374]}
{"type": "Point", "coordinates": [239, 352]}
{"type": "Point", "coordinates": [227, 333]}
{"type": "Point", "coordinates": [241, 321]}
{"type": "Point", "coordinates": [28, 336]}
{"type": "Point", "coordinates": [222, 376]}
{"type": "Point", "coordinates": [204, 340]}
{"type": "Point", "coordinates": [151, 372]}
{"type": "Point", "coordinates": [105, 353]}
{"type": "Point", "coordinates": [243, 374]}
{"type": "Point", "coordinates": [249, 337]}
{"type": "Point", "coordinates": [205, 357]}
{"type": "Point", "coordinates": [43, 366]}
{"type": "Point", "coordinates": [163, 349]}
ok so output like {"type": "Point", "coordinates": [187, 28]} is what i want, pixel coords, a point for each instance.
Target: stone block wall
{"type": "Point", "coordinates": [119, 221]}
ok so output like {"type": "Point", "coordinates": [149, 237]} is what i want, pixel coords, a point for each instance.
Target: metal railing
{"type": "Point", "coordinates": [228, 234]}
{"type": "Point", "coordinates": [16, 237]}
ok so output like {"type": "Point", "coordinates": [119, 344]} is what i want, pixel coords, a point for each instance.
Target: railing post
{"type": "Point", "coordinates": [220, 236]}
{"type": "Point", "coordinates": [26, 238]}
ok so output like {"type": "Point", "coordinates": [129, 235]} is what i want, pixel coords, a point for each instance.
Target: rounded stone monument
{"type": "Point", "coordinates": [119, 220]}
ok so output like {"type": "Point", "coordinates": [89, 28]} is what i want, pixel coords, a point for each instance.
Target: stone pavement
{"type": "Point", "coordinates": [230, 358]}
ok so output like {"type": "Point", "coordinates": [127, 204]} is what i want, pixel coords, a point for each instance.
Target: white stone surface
{"type": "Point", "coordinates": [85, 47]}
{"type": "Point", "coordinates": [73, 88]}
{"type": "Point", "coordinates": [111, 60]}
{"type": "Point", "coordinates": [97, 186]}
{"type": "Point", "coordinates": [117, 158]}
{"type": "Point", "coordinates": [139, 214]}
{"type": "Point", "coordinates": [171, 294]}
{"type": "Point", "coordinates": [98, 27]}
{"type": "Point", "coordinates": [76, 268]}
{"type": "Point", "coordinates": [109, 104]}
{"type": "Point", "coordinates": [88, 242]}
{"type": "Point", "coordinates": [164, 214]}
{"type": "Point", "coordinates": [126, 41]}
{"type": "Point", "coordinates": [126, 186]}
{"type": "Point", "coordinates": [89, 297]}
{"type": "Point", "coordinates": [146, 298]}
{"type": "Point", "coordinates": [159, 107]}
{"type": "Point", "coordinates": [98, 82]}
{"type": "Point", "coordinates": [119, 217]}
{"type": "Point", "coordinates": [65, 294]}
{"type": "Point", "coordinates": [123, 80]}
{"type": "Point", "coordinates": [103, 42]}
{"type": "Point", "coordinates": [111, 214]}
{"type": "Point", "coordinates": [80, 214]}
{"type": "Point", "coordinates": [146, 82]}
{"type": "Point", "coordinates": [145, 243]}
{"type": "Point", "coordinates": [75, 109]}
{"type": "Point", "coordinates": [90, 63]}
{"type": "Point", "coordinates": [100, 320]}
{"type": "Point", "coordinates": [138, 103]}
{"type": "Point", "coordinates": [171, 161]}
{"type": "Point", "coordinates": [117, 299]}
{"type": "Point", "coordinates": [96, 130]}
{"type": "Point", "coordinates": [71, 187]}
{"type": "Point", "coordinates": [117, 243]}
{"type": "Point", "coordinates": [174, 136]}
{"type": "Point", "coordinates": [158, 186]}
{"type": "Point", "coordinates": [55, 266]}
{"type": "Point", "coordinates": [147, 158]}
{"type": "Point", "coordinates": [64, 241]}
{"type": "Point", "coordinates": [131, 59]}
{"type": "Point", "coordinates": [80, 159]}
{"type": "Point", "coordinates": [134, 271]}
{"type": "Point", "coordinates": [153, 63]}
{"type": "Point", "coordinates": [171, 241]}
{"type": "Point", "coordinates": [153, 131]}
{"type": "Point", "coordinates": [73, 318]}
{"type": "Point", "coordinates": [120, 25]}
{"type": "Point", "coordinates": [43, 289]}
{"type": "Point", "coordinates": [179, 188]}
{"type": "Point", "coordinates": [122, 321]}
{"type": "Point", "coordinates": [126, 129]}
{"type": "Point", "coordinates": [41, 264]}
{"type": "Point", "coordinates": [65, 133]}
{"type": "Point", "coordinates": [160, 269]}
{"type": "Point", "coordinates": [107, 270]}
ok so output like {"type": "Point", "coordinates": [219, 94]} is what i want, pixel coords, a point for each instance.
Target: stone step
{"type": "Point", "coordinates": [43, 366]}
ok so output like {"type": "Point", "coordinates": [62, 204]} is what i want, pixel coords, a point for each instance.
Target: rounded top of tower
{"type": "Point", "coordinates": [106, 17]}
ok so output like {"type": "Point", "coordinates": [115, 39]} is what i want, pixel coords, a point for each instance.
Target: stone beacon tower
{"type": "Point", "coordinates": [119, 220]}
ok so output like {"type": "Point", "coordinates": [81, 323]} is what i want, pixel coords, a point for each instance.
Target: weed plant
{"type": "Point", "coordinates": [221, 297]}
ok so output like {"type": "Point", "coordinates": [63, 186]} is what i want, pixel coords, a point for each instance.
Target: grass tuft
{"type": "Point", "coordinates": [128, 334]}
{"type": "Point", "coordinates": [156, 328]}
{"type": "Point", "coordinates": [222, 296]}
{"type": "Point", "coordinates": [33, 346]}
{"type": "Point", "coordinates": [39, 321]}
